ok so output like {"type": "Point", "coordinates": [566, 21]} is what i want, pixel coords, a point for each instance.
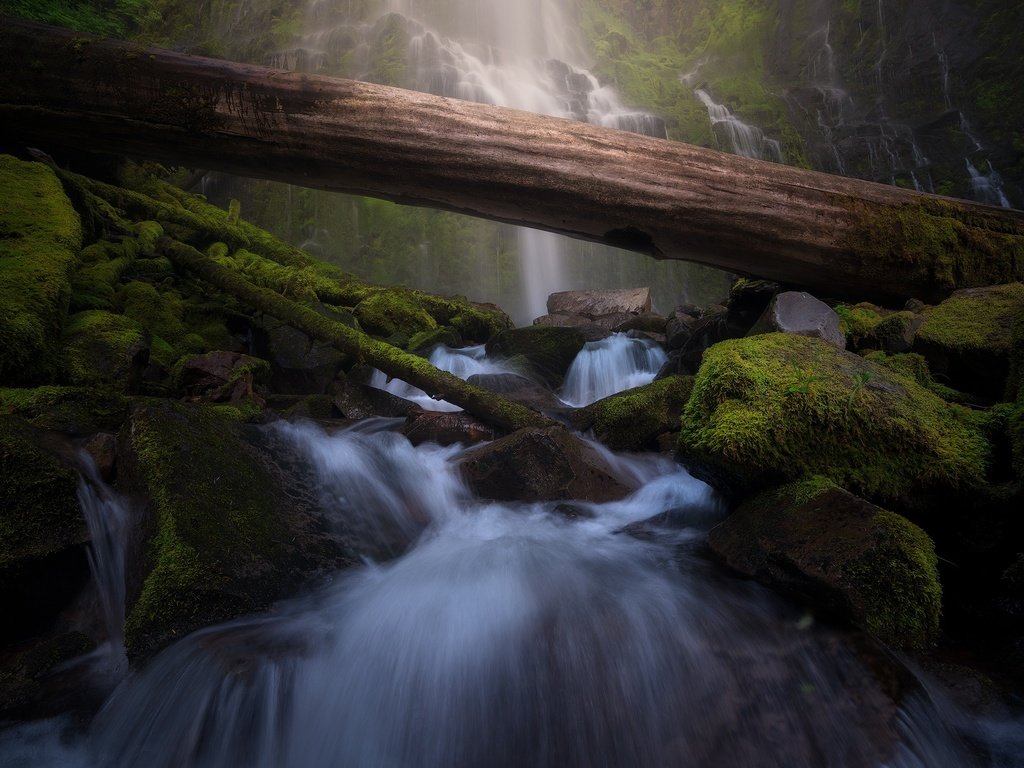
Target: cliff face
{"type": "Point", "coordinates": [921, 95]}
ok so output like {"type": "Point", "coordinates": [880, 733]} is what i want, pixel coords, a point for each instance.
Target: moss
{"type": "Point", "coordinates": [858, 322]}
{"type": "Point", "coordinates": [40, 236]}
{"type": "Point", "coordinates": [633, 420]}
{"type": "Point", "coordinates": [393, 312]}
{"type": "Point", "coordinates": [93, 283]}
{"type": "Point", "coordinates": [426, 340]}
{"type": "Point", "coordinates": [78, 410]}
{"type": "Point", "coordinates": [915, 366]}
{"type": "Point", "coordinates": [975, 320]}
{"type": "Point", "coordinates": [39, 512]}
{"type": "Point", "coordinates": [784, 406]}
{"type": "Point", "coordinates": [548, 350]}
{"type": "Point", "coordinates": [104, 349]}
{"type": "Point", "coordinates": [216, 523]}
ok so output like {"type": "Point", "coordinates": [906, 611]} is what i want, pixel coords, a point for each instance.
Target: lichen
{"type": "Point", "coordinates": [40, 237]}
{"type": "Point", "coordinates": [784, 406]}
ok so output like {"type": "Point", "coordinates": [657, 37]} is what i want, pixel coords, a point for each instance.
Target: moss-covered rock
{"type": "Point", "coordinates": [393, 314]}
{"type": "Point", "coordinates": [780, 406]}
{"type": "Point", "coordinates": [104, 349]}
{"type": "Point", "coordinates": [40, 237]}
{"type": "Point", "coordinates": [858, 323]}
{"type": "Point", "coordinates": [547, 351]}
{"type": "Point", "coordinates": [634, 419]}
{"type": "Point", "coordinates": [228, 534]}
{"type": "Point", "coordinates": [842, 553]}
{"type": "Point", "coordinates": [74, 410]}
{"type": "Point", "coordinates": [969, 337]}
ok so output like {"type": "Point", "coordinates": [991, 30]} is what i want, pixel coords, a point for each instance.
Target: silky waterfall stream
{"type": "Point", "coordinates": [513, 634]}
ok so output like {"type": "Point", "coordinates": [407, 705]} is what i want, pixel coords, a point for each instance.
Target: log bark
{"type": "Point", "coordinates": [486, 406]}
{"type": "Point", "coordinates": [838, 236]}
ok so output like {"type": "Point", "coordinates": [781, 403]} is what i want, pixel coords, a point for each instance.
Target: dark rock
{"type": "Point", "coordinates": [598, 303]}
{"type": "Point", "coordinates": [843, 554]}
{"type": "Point", "coordinates": [648, 322]}
{"type": "Point", "coordinates": [634, 419]}
{"type": "Point", "coordinates": [445, 428]}
{"type": "Point", "coordinates": [711, 328]}
{"type": "Point", "coordinates": [748, 300]}
{"type": "Point", "coordinates": [895, 333]}
{"type": "Point", "coordinates": [102, 447]}
{"type": "Point", "coordinates": [541, 465]}
{"type": "Point", "coordinates": [679, 329]}
{"type": "Point", "coordinates": [222, 376]}
{"type": "Point", "coordinates": [298, 365]}
{"type": "Point", "coordinates": [518, 389]}
{"type": "Point", "coordinates": [354, 400]}
{"type": "Point", "coordinates": [104, 349]}
{"type": "Point", "coordinates": [546, 350]}
{"type": "Point", "coordinates": [800, 313]}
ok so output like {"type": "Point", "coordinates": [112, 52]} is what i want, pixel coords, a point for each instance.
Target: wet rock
{"type": "Point", "coordinates": [842, 553]}
{"type": "Point", "coordinates": [446, 428]}
{"type": "Point", "coordinates": [647, 322]}
{"type": "Point", "coordinates": [597, 303]}
{"type": "Point", "coordinates": [102, 447]}
{"type": "Point", "coordinates": [711, 327]}
{"type": "Point", "coordinates": [545, 351]}
{"type": "Point", "coordinates": [354, 400]}
{"type": "Point", "coordinates": [518, 389]}
{"type": "Point", "coordinates": [679, 328]}
{"type": "Point", "coordinates": [298, 365]}
{"type": "Point", "coordinates": [634, 419]}
{"type": "Point", "coordinates": [802, 314]}
{"type": "Point", "coordinates": [221, 376]}
{"type": "Point", "coordinates": [541, 465]}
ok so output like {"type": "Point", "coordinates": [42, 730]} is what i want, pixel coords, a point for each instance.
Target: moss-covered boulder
{"type": "Point", "coordinates": [541, 465]}
{"type": "Point", "coordinates": [545, 351]}
{"type": "Point", "coordinates": [969, 337]}
{"type": "Point", "coordinates": [778, 406]}
{"type": "Point", "coordinates": [393, 315]}
{"type": "Point", "coordinates": [40, 237]}
{"type": "Point", "coordinates": [104, 349]}
{"type": "Point", "coordinates": [632, 420]}
{"type": "Point", "coordinates": [231, 523]}
{"type": "Point", "coordinates": [74, 410]}
{"type": "Point", "coordinates": [815, 540]}
{"type": "Point", "coordinates": [42, 531]}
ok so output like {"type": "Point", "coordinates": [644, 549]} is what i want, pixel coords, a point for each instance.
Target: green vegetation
{"type": "Point", "coordinates": [104, 349]}
{"type": "Point", "coordinates": [110, 18]}
{"type": "Point", "coordinates": [40, 236]}
{"type": "Point", "coordinates": [975, 321]}
{"type": "Point", "coordinates": [632, 420]}
{"type": "Point", "coordinates": [892, 440]}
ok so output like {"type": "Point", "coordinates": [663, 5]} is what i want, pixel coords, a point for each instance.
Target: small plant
{"type": "Point", "coordinates": [802, 385]}
{"type": "Point", "coordinates": [860, 380]}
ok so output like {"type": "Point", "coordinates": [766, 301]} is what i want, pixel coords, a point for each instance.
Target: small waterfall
{"type": "Point", "coordinates": [107, 518]}
{"type": "Point", "coordinates": [611, 365]}
{"type": "Point", "coordinates": [736, 136]}
{"type": "Point", "coordinates": [463, 362]}
{"type": "Point", "coordinates": [986, 188]}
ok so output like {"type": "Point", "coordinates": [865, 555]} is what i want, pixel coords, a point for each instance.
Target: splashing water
{"type": "Point", "coordinates": [614, 364]}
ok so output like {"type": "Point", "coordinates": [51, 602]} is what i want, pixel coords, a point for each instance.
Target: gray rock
{"type": "Point", "coordinates": [598, 303]}
{"type": "Point", "coordinates": [800, 313]}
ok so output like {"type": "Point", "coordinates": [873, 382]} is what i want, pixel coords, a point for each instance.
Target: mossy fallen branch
{"type": "Point", "coordinates": [485, 405]}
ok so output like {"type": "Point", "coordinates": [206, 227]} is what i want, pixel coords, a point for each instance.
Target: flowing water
{"type": "Point", "coordinates": [611, 365]}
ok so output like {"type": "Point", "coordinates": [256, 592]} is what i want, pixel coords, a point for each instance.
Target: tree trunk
{"type": "Point", "coordinates": [487, 406]}
{"type": "Point", "coordinates": [838, 236]}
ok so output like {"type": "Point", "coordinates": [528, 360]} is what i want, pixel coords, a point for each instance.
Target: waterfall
{"type": "Point", "coordinates": [986, 188]}
{"type": "Point", "coordinates": [611, 365]}
{"type": "Point", "coordinates": [736, 136]}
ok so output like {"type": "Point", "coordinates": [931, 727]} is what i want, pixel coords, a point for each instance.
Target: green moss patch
{"type": "Point", "coordinates": [393, 314]}
{"type": "Point", "coordinates": [104, 349]}
{"type": "Point", "coordinates": [76, 410]}
{"type": "Point", "coordinates": [40, 236]}
{"type": "Point", "coordinates": [785, 406]}
{"type": "Point", "coordinates": [633, 420]}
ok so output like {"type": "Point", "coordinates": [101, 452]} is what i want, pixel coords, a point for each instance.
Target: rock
{"type": "Point", "coordinates": [748, 300]}
{"type": "Point", "coordinates": [800, 313]}
{"type": "Point", "coordinates": [43, 562]}
{"type": "Point", "coordinates": [40, 237]}
{"type": "Point", "coordinates": [633, 420]}
{"type": "Point", "coordinates": [541, 465]}
{"type": "Point", "coordinates": [102, 448]}
{"type": "Point", "coordinates": [815, 540]}
{"type": "Point", "coordinates": [780, 406]}
{"type": "Point", "coordinates": [298, 365]}
{"type": "Point", "coordinates": [562, 321]}
{"type": "Point", "coordinates": [679, 328]}
{"type": "Point", "coordinates": [445, 428]}
{"type": "Point", "coordinates": [222, 376]}
{"type": "Point", "coordinates": [393, 314]}
{"type": "Point", "coordinates": [968, 338]}
{"type": "Point", "coordinates": [858, 323]}
{"type": "Point", "coordinates": [895, 333]}
{"type": "Point", "coordinates": [104, 349]}
{"type": "Point", "coordinates": [711, 327]}
{"type": "Point", "coordinates": [547, 351]}
{"type": "Point", "coordinates": [230, 521]}
{"type": "Point", "coordinates": [597, 303]}
{"type": "Point", "coordinates": [354, 400]}
{"type": "Point", "coordinates": [519, 389]}
{"type": "Point", "coordinates": [647, 322]}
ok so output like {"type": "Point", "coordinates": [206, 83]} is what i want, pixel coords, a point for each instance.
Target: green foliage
{"type": "Point", "coordinates": [111, 18]}
{"type": "Point", "coordinates": [898, 440]}
{"type": "Point", "coordinates": [40, 236]}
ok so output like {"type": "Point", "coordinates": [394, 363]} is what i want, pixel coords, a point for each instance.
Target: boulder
{"type": "Point", "coordinates": [780, 406]}
{"type": "Point", "coordinates": [597, 303]}
{"type": "Point", "coordinates": [815, 540]}
{"type": "Point", "coordinates": [711, 327]}
{"type": "Point", "coordinates": [633, 420]}
{"type": "Point", "coordinates": [679, 327]}
{"type": "Point", "coordinates": [221, 376]}
{"type": "Point", "coordinates": [106, 350]}
{"type": "Point", "coordinates": [646, 322]}
{"type": "Point", "coordinates": [445, 428]}
{"type": "Point", "coordinates": [545, 351]}
{"type": "Point", "coordinates": [519, 389]}
{"type": "Point", "coordinates": [541, 465]}
{"type": "Point", "coordinates": [896, 332]}
{"type": "Point", "coordinates": [800, 313]}
{"type": "Point", "coordinates": [748, 300]}
{"type": "Point", "coordinates": [969, 337]}
{"type": "Point", "coordinates": [299, 365]}
{"type": "Point", "coordinates": [230, 522]}
{"type": "Point", "coordinates": [355, 400]}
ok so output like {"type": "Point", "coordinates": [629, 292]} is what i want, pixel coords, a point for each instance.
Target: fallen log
{"type": "Point", "coordinates": [486, 406]}
{"type": "Point", "coordinates": [838, 236]}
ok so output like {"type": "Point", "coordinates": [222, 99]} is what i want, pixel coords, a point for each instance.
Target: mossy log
{"type": "Point", "coordinates": [838, 236]}
{"type": "Point", "coordinates": [417, 371]}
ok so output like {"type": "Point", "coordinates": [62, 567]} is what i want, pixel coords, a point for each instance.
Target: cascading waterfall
{"type": "Point", "coordinates": [986, 188]}
{"type": "Point", "coordinates": [736, 136]}
{"type": "Point", "coordinates": [611, 365]}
